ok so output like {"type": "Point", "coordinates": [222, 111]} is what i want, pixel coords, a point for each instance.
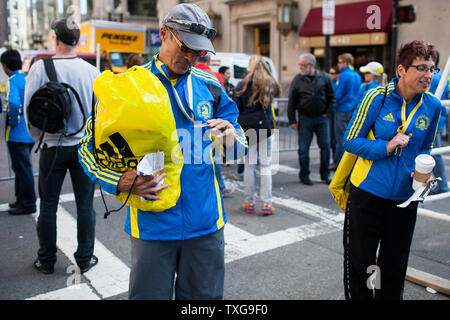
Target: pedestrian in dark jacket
{"type": "Point", "coordinates": [311, 96]}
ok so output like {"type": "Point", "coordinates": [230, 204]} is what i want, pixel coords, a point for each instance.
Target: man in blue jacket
{"type": "Point", "coordinates": [17, 137]}
{"type": "Point", "coordinates": [187, 239]}
{"type": "Point", "coordinates": [346, 92]}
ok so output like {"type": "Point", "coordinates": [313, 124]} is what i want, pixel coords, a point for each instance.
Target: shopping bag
{"type": "Point", "coordinates": [133, 117]}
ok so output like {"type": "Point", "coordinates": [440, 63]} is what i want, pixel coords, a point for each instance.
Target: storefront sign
{"type": "Point", "coordinates": [345, 40]}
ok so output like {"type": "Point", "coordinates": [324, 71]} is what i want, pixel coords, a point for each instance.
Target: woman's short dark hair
{"type": "Point", "coordinates": [223, 69]}
{"type": "Point", "coordinates": [415, 49]}
{"type": "Point", "coordinates": [11, 59]}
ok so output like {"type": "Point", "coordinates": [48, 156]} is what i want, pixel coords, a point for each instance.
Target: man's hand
{"type": "Point", "coordinates": [145, 186]}
{"type": "Point", "coordinates": [223, 130]}
{"type": "Point", "coordinates": [294, 126]}
{"type": "Point", "coordinates": [400, 140]}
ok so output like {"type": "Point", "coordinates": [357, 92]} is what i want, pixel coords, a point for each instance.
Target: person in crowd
{"type": "Point", "coordinates": [229, 88]}
{"type": "Point", "coordinates": [439, 168]}
{"type": "Point", "coordinates": [226, 74]}
{"type": "Point", "coordinates": [134, 59]}
{"type": "Point", "coordinates": [347, 89]}
{"type": "Point", "coordinates": [374, 76]}
{"type": "Point", "coordinates": [254, 96]}
{"type": "Point", "coordinates": [186, 240]}
{"type": "Point", "coordinates": [382, 176]}
{"type": "Point", "coordinates": [311, 95]}
{"type": "Point", "coordinates": [203, 63]}
{"type": "Point", "coordinates": [334, 76]}
{"type": "Point", "coordinates": [18, 139]}
{"type": "Point", "coordinates": [59, 153]}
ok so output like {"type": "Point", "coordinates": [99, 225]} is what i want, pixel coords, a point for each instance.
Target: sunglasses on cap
{"type": "Point", "coordinates": [195, 28]}
{"type": "Point", "coordinates": [184, 48]}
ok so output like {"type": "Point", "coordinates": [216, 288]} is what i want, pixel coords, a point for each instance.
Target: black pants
{"type": "Point", "coordinates": [371, 221]}
{"type": "Point", "coordinates": [50, 183]}
{"type": "Point", "coordinates": [23, 170]}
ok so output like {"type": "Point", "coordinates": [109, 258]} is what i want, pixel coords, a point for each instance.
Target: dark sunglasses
{"type": "Point", "coordinates": [184, 48]}
{"type": "Point", "coordinates": [196, 28]}
{"type": "Point", "coordinates": [424, 68]}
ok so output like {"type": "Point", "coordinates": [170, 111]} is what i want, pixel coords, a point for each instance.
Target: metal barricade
{"type": "Point", "coordinates": [287, 138]}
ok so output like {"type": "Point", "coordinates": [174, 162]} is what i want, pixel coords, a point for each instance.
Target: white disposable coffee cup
{"type": "Point", "coordinates": [422, 172]}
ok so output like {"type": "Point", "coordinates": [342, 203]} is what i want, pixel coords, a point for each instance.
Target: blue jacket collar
{"type": "Point", "coordinates": [12, 74]}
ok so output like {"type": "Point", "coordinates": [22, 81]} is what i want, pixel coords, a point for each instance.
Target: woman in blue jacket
{"type": "Point", "coordinates": [404, 119]}
{"type": "Point", "coordinates": [17, 137]}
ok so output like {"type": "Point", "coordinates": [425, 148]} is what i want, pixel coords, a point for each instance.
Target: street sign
{"type": "Point", "coordinates": [155, 41]}
{"type": "Point", "coordinates": [328, 17]}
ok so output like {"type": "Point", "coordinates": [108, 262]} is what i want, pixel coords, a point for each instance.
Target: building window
{"type": "Point", "coordinates": [145, 8]}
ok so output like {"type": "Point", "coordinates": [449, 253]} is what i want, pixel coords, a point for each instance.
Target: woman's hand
{"type": "Point", "coordinates": [424, 184]}
{"type": "Point", "coordinates": [400, 140]}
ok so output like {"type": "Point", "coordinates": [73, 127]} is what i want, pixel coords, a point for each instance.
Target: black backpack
{"type": "Point", "coordinates": [50, 106]}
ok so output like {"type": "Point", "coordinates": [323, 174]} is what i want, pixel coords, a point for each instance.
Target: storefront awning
{"type": "Point", "coordinates": [350, 18]}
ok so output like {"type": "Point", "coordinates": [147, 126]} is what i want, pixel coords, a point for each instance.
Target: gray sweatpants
{"type": "Point", "coordinates": [199, 265]}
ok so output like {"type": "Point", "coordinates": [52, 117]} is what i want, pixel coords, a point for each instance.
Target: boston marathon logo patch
{"type": "Point", "coordinates": [204, 110]}
{"type": "Point", "coordinates": [422, 122]}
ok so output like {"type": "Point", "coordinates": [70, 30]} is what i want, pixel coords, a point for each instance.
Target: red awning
{"type": "Point", "coordinates": [349, 18]}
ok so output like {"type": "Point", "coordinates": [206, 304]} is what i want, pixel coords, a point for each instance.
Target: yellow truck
{"type": "Point", "coordinates": [117, 40]}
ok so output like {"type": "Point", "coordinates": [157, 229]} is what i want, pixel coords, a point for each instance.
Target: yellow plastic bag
{"type": "Point", "coordinates": [133, 118]}
{"type": "Point", "coordinates": [340, 185]}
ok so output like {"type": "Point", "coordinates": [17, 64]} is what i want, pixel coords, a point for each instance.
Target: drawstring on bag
{"type": "Point", "coordinates": [108, 212]}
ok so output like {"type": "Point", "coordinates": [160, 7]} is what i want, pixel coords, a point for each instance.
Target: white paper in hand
{"type": "Point", "coordinates": [149, 163]}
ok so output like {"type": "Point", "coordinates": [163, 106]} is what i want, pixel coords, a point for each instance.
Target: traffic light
{"type": "Point", "coordinates": [406, 14]}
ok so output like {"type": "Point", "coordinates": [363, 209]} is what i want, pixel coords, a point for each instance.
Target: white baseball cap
{"type": "Point", "coordinates": [373, 67]}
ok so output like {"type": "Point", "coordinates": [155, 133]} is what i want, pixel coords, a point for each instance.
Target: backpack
{"type": "Point", "coordinates": [50, 106]}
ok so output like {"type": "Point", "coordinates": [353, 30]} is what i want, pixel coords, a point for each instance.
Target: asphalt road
{"type": "Point", "coordinates": [295, 254]}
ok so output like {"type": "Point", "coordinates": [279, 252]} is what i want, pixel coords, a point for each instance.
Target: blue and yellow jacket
{"type": "Point", "coordinates": [389, 175]}
{"type": "Point", "coordinates": [196, 96]}
{"type": "Point", "coordinates": [15, 124]}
